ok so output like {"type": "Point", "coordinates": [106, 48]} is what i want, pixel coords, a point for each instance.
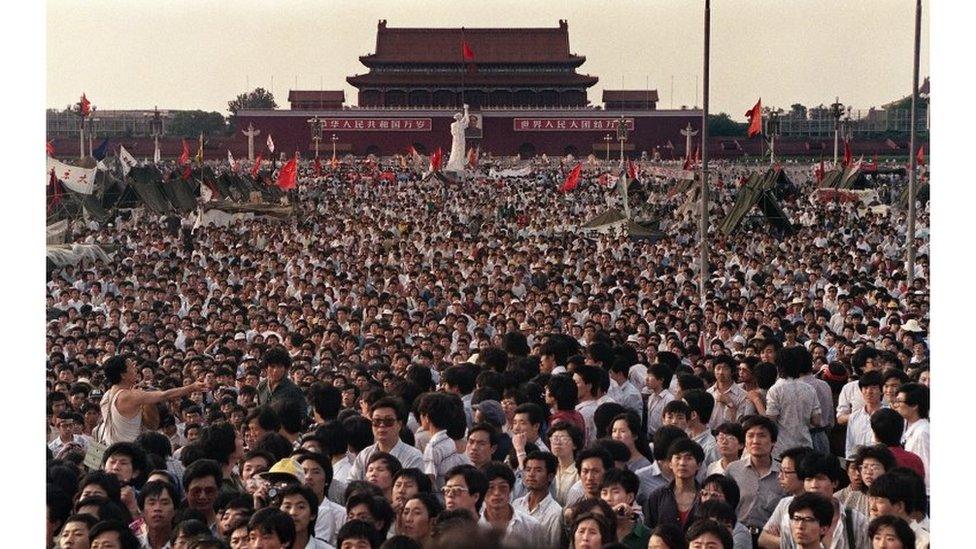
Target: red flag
{"type": "Point", "coordinates": [467, 52]}
{"type": "Point", "coordinates": [631, 169]}
{"type": "Point", "coordinates": [573, 179]}
{"type": "Point", "coordinates": [755, 119]}
{"type": "Point", "coordinates": [256, 167]}
{"type": "Point", "coordinates": [55, 190]}
{"type": "Point", "coordinates": [388, 176]}
{"type": "Point", "coordinates": [436, 160]}
{"type": "Point", "coordinates": [472, 157]}
{"type": "Point", "coordinates": [318, 167]}
{"type": "Point", "coordinates": [186, 173]}
{"type": "Point", "coordinates": [687, 165]}
{"type": "Point", "coordinates": [50, 148]}
{"type": "Point", "coordinates": [848, 155]}
{"type": "Point", "coordinates": [288, 175]}
{"type": "Point", "coordinates": [185, 156]}
{"type": "Point", "coordinates": [697, 155]}
{"type": "Point", "coordinates": [920, 156]}
{"type": "Point", "coordinates": [85, 105]}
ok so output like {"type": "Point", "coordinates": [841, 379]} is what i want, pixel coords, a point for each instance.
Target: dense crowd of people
{"type": "Point", "coordinates": [412, 362]}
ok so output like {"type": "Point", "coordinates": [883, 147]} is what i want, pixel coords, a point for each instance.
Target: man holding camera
{"type": "Point", "coordinates": [619, 490]}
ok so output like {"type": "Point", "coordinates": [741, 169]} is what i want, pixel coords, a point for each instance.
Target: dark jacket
{"type": "Point", "coordinates": [285, 390]}
{"type": "Point", "coordinates": [661, 507]}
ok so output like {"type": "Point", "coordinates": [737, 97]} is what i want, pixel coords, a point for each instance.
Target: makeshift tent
{"type": "Point", "coordinates": [613, 220]}
{"type": "Point", "coordinates": [147, 182]}
{"type": "Point", "coordinates": [922, 193]}
{"type": "Point", "coordinates": [272, 210]}
{"type": "Point", "coordinates": [759, 191]}
{"type": "Point", "coordinates": [848, 178]}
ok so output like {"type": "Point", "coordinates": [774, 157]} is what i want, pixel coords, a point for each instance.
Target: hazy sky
{"type": "Point", "coordinates": [200, 54]}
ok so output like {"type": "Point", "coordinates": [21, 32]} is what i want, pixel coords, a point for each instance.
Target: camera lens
{"type": "Point", "coordinates": [272, 493]}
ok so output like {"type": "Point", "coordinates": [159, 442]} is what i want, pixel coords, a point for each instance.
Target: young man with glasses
{"type": "Point", "coordinates": [811, 515]}
{"type": "Point", "coordinates": [465, 487]}
{"type": "Point", "coordinates": [791, 484]}
{"type": "Point", "coordinates": [386, 418]}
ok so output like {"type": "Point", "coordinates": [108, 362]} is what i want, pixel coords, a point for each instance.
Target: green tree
{"type": "Point", "coordinates": [260, 98]}
{"type": "Point", "coordinates": [191, 123]}
{"type": "Point", "coordinates": [722, 125]}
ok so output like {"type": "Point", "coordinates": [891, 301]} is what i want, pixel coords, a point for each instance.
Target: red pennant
{"type": "Point", "coordinates": [755, 119]}
{"type": "Point", "coordinates": [186, 173]}
{"type": "Point", "coordinates": [85, 105]}
{"type": "Point", "coordinates": [185, 155]}
{"type": "Point", "coordinates": [920, 156]}
{"type": "Point", "coordinates": [572, 180]}
{"type": "Point", "coordinates": [467, 52]}
{"type": "Point", "coordinates": [436, 160]}
{"type": "Point", "coordinates": [50, 148]}
{"type": "Point", "coordinates": [256, 167]}
{"type": "Point", "coordinates": [848, 154]}
{"type": "Point", "coordinates": [288, 175]}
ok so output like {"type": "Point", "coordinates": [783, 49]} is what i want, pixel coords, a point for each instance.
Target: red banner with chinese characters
{"type": "Point", "coordinates": [569, 124]}
{"type": "Point", "coordinates": [377, 124]}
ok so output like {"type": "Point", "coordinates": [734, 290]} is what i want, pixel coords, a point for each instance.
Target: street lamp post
{"type": "Point", "coordinates": [622, 137]}
{"type": "Point", "coordinates": [93, 123]}
{"type": "Point", "coordinates": [772, 128]}
{"type": "Point", "coordinates": [156, 130]}
{"type": "Point", "coordinates": [316, 124]}
{"type": "Point", "coordinates": [607, 139]}
{"type": "Point", "coordinates": [836, 111]}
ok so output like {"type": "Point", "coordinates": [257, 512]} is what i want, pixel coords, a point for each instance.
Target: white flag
{"type": "Point", "coordinates": [230, 160]}
{"type": "Point", "coordinates": [79, 180]}
{"type": "Point", "coordinates": [270, 143]}
{"type": "Point", "coordinates": [127, 160]}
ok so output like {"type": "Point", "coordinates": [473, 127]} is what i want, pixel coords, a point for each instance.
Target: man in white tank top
{"type": "Point", "coordinates": [122, 403]}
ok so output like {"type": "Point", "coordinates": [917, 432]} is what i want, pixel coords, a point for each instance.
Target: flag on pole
{"type": "Point", "coordinates": [54, 190]}
{"type": "Point", "coordinates": [50, 148]}
{"type": "Point", "coordinates": [920, 155]}
{"type": "Point", "coordinates": [819, 172]}
{"type": "Point", "coordinates": [85, 105]}
{"type": "Point", "coordinates": [572, 180]}
{"type": "Point", "coordinates": [436, 160]}
{"type": "Point", "coordinates": [755, 119]}
{"type": "Point", "coordinates": [186, 172]}
{"type": "Point", "coordinates": [126, 160]}
{"type": "Point", "coordinates": [101, 150]}
{"type": "Point", "coordinates": [79, 180]}
{"type": "Point", "coordinates": [468, 54]}
{"type": "Point", "coordinates": [848, 154]}
{"type": "Point", "coordinates": [270, 143]}
{"type": "Point", "coordinates": [256, 167]}
{"type": "Point", "coordinates": [230, 161]}
{"type": "Point", "coordinates": [185, 155]}
{"type": "Point", "coordinates": [288, 174]}
{"type": "Point", "coordinates": [631, 169]}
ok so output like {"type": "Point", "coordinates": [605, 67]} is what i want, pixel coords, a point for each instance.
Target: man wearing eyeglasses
{"type": "Point", "coordinates": [387, 421]}
{"type": "Point", "coordinates": [202, 481]}
{"type": "Point", "coordinates": [811, 515]}
{"type": "Point", "coordinates": [465, 487]}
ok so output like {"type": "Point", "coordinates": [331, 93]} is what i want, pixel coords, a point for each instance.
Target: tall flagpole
{"type": "Point", "coordinates": [703, 221]}
{"type": "Point", "coordinates": [912, 163]}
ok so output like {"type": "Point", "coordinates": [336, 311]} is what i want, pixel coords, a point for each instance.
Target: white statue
{"type": "Point", "coordinates": [458, 158]}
